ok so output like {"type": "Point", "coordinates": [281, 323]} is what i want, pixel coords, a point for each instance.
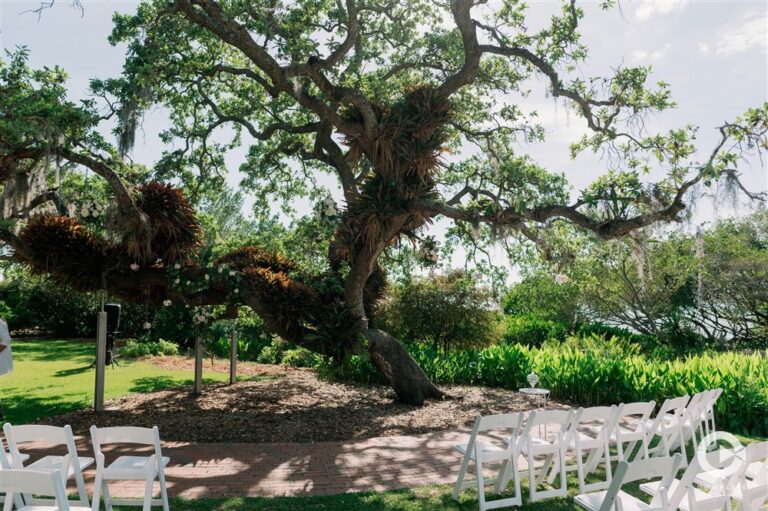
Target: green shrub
{"type": "Point", "coordinates": [270, 355]}
{"type": "Point", "coordinates": [301, 357]}
{"type": "Point", "coordinates": [539, 295]}
{"type": "Point", "coordinates": [532, 330]}
{"type": "Point", "coordinates": [594, 371]}
{"type": "Point", "coordinates": [135, 349]}
{"type": "Point", "coordinates": [446, 311]}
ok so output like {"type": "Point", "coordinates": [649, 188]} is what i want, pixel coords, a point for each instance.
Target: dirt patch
{"type": "Point", "coordinates": [293, 406]}
{"type": "Point", "coordinates": [247, 369]}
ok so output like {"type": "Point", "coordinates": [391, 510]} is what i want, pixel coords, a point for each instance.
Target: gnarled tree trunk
{"type": "Point", "coordinates": [404, 375]}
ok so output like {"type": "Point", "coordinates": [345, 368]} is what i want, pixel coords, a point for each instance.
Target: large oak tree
{"type": "Point", "coordinates": [385, 95]}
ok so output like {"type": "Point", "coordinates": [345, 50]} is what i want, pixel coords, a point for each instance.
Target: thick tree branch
{"type": "Point", "coordinates": [460, 9]}
{"type": "Point", "coordinates": [209, 15]}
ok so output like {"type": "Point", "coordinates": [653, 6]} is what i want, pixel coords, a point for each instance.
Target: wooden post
{"type": "Point", "coordinates": [198, 365]}
{"type": "Point", "coordinates": [101, 357]}
{"type": "Point", "coordinates": [233, 355]}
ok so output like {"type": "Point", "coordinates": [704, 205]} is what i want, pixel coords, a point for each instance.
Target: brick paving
{"type": "Point", "coordinates": [214, 470]}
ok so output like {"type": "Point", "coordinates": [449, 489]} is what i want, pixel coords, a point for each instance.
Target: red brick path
{"type": "Point", "coordinates": [323, 468]}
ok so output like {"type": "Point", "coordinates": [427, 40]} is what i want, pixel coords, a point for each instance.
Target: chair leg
{"type": "Point", "coordinates": [107, 497]}
{"type": "Point", "coordinates": [148, 494]}
{"type": "Point", "coordinates": [531, 475]}
{"type": "Point", "coordinates": [503, 478]}
{"type": "Point", "coordinates": [593, 460]}
{"type": "Point", "coordinates": [620, 450]}
{"type": "Point", "coordinates": [480, 481]}
{"type": "Point", "coordinates": [580, 468]}
{"type": "Point", "coordinates": [460, 478]}
{"type": "Point", "coordinates": [545, 468]}
{"type": "Point", "coordinates": [81, 489]}
{"type": "Point", "coordinates": [96, 502]}
{"type": "Point", "coordinates": [163, 490]}
{"type": "Point", "coordinates": [630, 450]}
{"type": "Point", "coordinates": [563, 475]}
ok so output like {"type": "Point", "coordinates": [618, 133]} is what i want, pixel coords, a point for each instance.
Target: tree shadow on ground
{"type": "Point", "coordinates": [50, 351]}
{"type": "Point", "coordinates": [73, 371]}
{"type": "Point", "coordinates": [156, 383]}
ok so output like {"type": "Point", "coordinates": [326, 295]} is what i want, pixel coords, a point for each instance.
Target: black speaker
{"type": "Point", "coordinates": [113, 325]}
{"type": "Point", "coordinates": [113, 317]}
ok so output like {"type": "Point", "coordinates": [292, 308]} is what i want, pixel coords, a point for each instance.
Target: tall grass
{"type": "Point", "coordinates": [589, 371]}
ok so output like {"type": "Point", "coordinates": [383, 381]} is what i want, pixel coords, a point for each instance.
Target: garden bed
{"type": "Point", "coordinates": [289, 405]}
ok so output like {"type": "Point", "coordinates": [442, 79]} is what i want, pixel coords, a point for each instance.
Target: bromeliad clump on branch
{"type": "Point", "coordinates": [405, 156]}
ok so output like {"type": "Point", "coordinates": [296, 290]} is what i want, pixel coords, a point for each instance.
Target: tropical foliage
{"type": "Point", "coordinates": [593, 371]}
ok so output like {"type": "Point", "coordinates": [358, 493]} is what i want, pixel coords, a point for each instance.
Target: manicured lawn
{"type": "Point", "coordinates": [428, 498]}
{"type": "Point", "coordinates": [53, 377]}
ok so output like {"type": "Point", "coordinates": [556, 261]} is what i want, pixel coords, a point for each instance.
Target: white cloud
{"type": "Point", "coordinates": [752, 34]}
{"type": "Point", "coordinates": [647, 10]}
{"type": "Point", "coordinates": [644, 56]}
{"type": "Point", "coordinates": [704, 48]}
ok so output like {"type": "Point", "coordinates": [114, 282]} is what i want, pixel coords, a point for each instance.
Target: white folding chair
{"type": "Point", "coordinates": [5, 464]}
{"type": "Point", "coordinates": [482, 452]}
{"type": "Point", "coordinates": [709, 421]}
{"type": "Point", "coordinates": [615, 499]}
{"type": "Point", "coordinates": [693, 417]}
{"type": "Point", "coordinates": [70, 465]}
{"type": "Point", "coordinates": [750, 486]}
{"type": "Point", "coordinates": [15, 482]}
{"type": "Point", "coordinates": [595, 447]}
{"type": "Point", "coordinates": [552, 444]}
{"type": "Point", "coordinates": [683, 493]}
{"type": "Point", "coordinates": [130, 468]}
{"type": "Point", "coordinates": [630, 429]}
{"type": "Point", "coordinates": [668, 427]}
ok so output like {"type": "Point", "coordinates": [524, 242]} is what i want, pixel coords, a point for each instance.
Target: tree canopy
{"type": "Point", "coordinates": [413, 107]}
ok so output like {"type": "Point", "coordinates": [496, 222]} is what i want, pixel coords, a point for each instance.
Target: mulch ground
{"type": "Point", "coordinates": [290, 406]}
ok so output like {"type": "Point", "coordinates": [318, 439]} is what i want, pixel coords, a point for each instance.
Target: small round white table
{"type": "Point", "coordinates": [541, 394]}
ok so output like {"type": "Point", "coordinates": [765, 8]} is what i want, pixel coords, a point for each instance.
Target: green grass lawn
{"type": "Point", "coordinates": [53, 377]}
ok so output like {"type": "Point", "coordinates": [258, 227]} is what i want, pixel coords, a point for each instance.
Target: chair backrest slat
{"type": "Point", "coordinates": [124, 435]}
{"type": "Point", "coordinates": [35, 433]}
{"type": "Point", "coordinates": [499, 421]}
{"type": "Point", "coordinates": [551, 417]}
{"type": "Point", "coordinates": [653, 468]}
{"type": "Point", "coordinates": [46, 484]}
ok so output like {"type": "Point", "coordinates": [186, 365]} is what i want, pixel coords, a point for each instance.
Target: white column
{"type": "Point", "coordinates": [101, 355]}
{"type": "Point", "coordinates": [233, 355]}
{"type": "Point", "coordinates": [198, 364]}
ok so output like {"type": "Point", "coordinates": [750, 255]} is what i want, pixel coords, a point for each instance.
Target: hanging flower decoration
{"type": "Point", "coordinates": [429, 252]}
{"type": "Point", "coordinates": [134, 267]}
{"type": "Point", "coordinates": [201, 316]}
{"type": "Point", "coordinates": [326, 209]}
{"type": "Point", "coordinates": [87, 209]}
{"type": "Point", "coordinates": [205, 278]}
{"type": "Point", "coordinates": [167, 303]}
{"type": "Point", "coordinates": [561, 278]}
{"type": "Point", "coordinates": [147, 325]}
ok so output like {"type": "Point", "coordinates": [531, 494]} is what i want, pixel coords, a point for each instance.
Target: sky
{"type": "Point", "coordinates": [714, 55]}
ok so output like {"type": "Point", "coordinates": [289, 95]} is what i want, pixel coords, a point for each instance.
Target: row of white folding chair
{"type": "Point", "coordinates": [561, 434]}
{"type": "Point", "coordinates": [671, 494]}
{"type": "Point", "coordinates": [141, 468]}
{"type": "Point", "coordinates": [70, 465]}
{"type": "Point", "coordinates": [749, 484]}
{"type": "Point", "coordinates": [625, 424]}
{"type": "Point", "coordinates": [15, 482]}
{"type": "Point", "coordinates": [615, 499]}
{"type": "Point", "coordinates": [677, 422]}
